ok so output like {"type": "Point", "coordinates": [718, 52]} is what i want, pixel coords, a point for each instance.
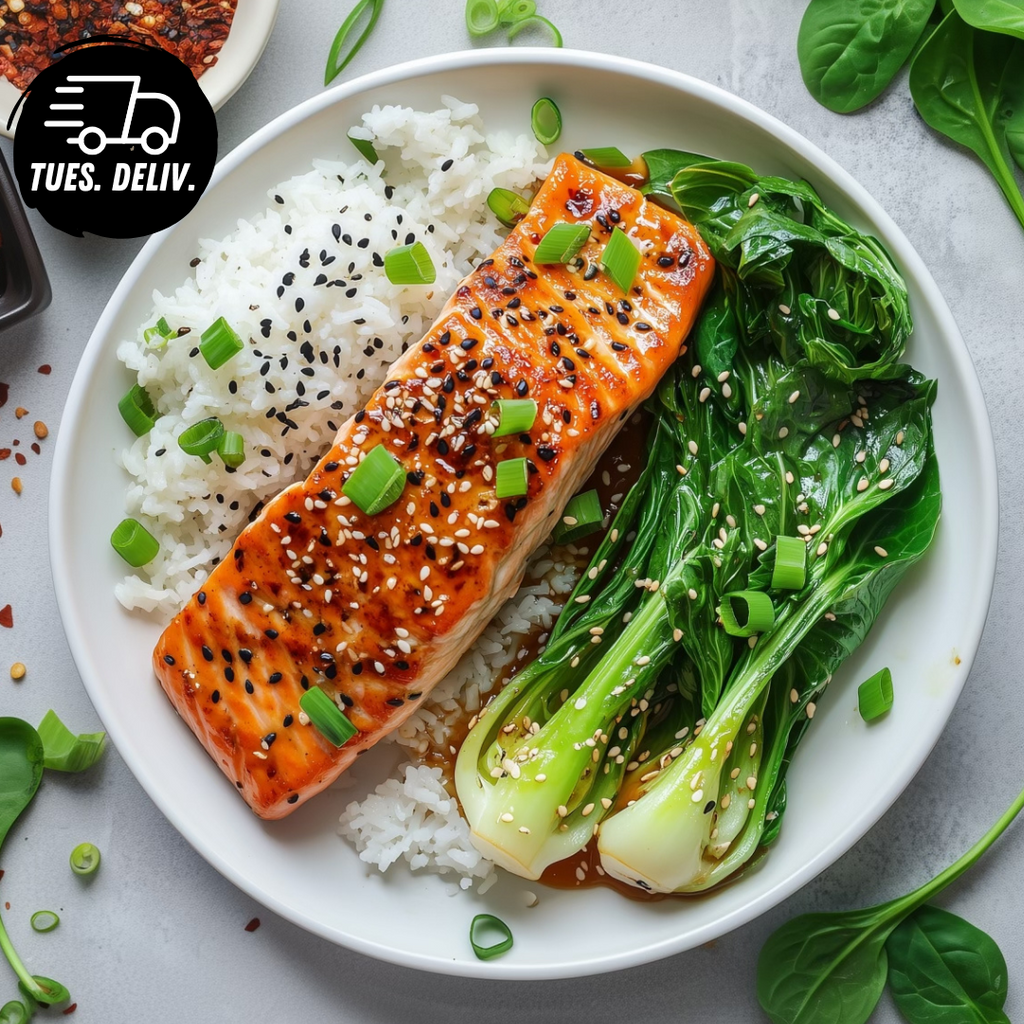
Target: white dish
{"type": "Point", "coordinates": [250, 31]}
{"type": "Point", "coordinates": [845, 775]}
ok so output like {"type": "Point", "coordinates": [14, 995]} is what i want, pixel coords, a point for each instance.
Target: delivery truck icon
{"type": "Point", "coordinates": [94, 103]}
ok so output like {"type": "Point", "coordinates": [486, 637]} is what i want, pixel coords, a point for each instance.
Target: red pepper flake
{"type": "Point", "coordinates": [6, 617]}
{"type": "Point", "coordinates": [4, 388]}
{"type": "Point", "coordinates": [36, 448]}
{"type": "Point", "coordinates": [20, 459]}
{"type": "Point", "coordinates": [45, 369]}
{"type": "Point", "coordinates": [5, 453]}
{"type": "Point", "coordinates": [253, 925]}
{"type": "Point", "coordinates": [71, 1009]}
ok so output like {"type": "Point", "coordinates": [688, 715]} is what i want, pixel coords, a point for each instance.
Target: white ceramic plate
{"type": "Point", "coordinates": [250, 31]}
{"type": "Point", "coordinates": [845, 775]}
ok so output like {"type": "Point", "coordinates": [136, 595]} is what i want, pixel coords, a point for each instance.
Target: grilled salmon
{"type": "Point", "coordinates": [376, 609]}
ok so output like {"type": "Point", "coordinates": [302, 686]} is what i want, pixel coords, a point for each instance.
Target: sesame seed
{"type": "Point", "coordinates": [793, 696]}
{"type": "Point", "coordinates": [723, 376]}
{"type": "Point", "coordinates": [698, 795]}
{"type": "Point", "coordinates": [759, 509]}
{"type": "Point", "coordinates": [833, 314]}
{"type": "Point", "coordinates": [822, 548]}
{"type": "Point", "coordinates": [562, 810]}
{"type": "Point", "coordinates": [784, 310]}
{"type": "Point", "coordinates": [695, 372]}
{"type": "Point", "coordinates": [760, 544]}
{"type": "Point", "coordinates": [692, 594]}
{"type": "Point", "coordinates": [726, 391]}
{"type": "Point", "coordinates": [793, 397]}
{"type": "Point", "coordinates": [881, 552]}
{"type": "Point", "coordinates": [783, 432]}
{"type": "Point", "coordinates": [862, 484]}
{"type": "Point", "coordinates": [705, 394]}
{"type": "Point", "coordinates": [884, 485]}
{"type": "Point", "coordinates": [692, 445]}
{"type": "Point", "coordinates": [811, 708]}
{"type": "Point", "coordinates": [836, 439]}
{"type": "Point", "coordinates": [753, 199]}
{"type": "Point", "coordinates": [507, 817]}
{"type": "Point", "coordinates": [883, 466]}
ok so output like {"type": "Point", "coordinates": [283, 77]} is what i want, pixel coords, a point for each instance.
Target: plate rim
{"type": "Point", "coordinates": [986, 502]}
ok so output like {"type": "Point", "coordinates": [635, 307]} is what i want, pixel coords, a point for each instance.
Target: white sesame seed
{"type": "Point", "coordinates": [692, 594]}
{"type": "Point", "coordinates": [883, 466]}
{"type": "Point", "coordinates": [743, 429]}
{"type": "Point", "coordinates": [793, 696]}
{"type": "Point", "coordinates": [836, 440]}
{"type": "Point", "coordinates": [863, 484]}
{"type": "Point", "coordinates": [881, 552]}
{"type": "Point", "coordinates": [760, 544]}
{"type": "Point", "coordinates": [727, 391]}
{"type": "Point", "coordinates": [899, 437]}
{"type": "Point", "coordinates": [695, 372]}
{"type": "Point", "coordinates": [723, 376]}
{"type": "Point", "coordinates": [793, 397]}
{"type": "Point", "coordinates": [692, 445]}
{"type": "Point", "coordinates": [784, 310]}
{"type": "Point", "coordinates": [698, 795]}
{"type": "Point", "coordinates": [884, 485]}
{"type": "Point", "coordinates": [753, 199]}
{"type": "Point", "coordinates": [759, 509]}
{"type": "Point", "coordinates": [811, 708]}
{"type": "Point", "coordinates": [783, 432]}
{"type": "Point", "coordinates": [822, 548]}
{"type": "Point", "coordinates": [833, 314]}
{"type": "Point", "coordinates": [507, 817]}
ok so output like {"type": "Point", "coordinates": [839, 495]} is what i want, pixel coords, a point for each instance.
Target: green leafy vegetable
{"type": "Point", "coordinates": [839, 960]}
{"type": "Point", "coordinates": [850, 50]}
{"type": "Point", "coordinates": [339, 57]}
{"type": "Point", "coordinates": [1005, 16]}
{"type": "Point", "coordinates": [969, 85]}
{"type": "Point", "coordinates": [21, 770]}
{"type": "Point", "coordinates": [66, 752]}
{"type": "Point", "coordinates": [943, 970]}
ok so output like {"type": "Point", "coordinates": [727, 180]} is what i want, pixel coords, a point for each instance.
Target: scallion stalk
{"type": "Point", "coordinates": [483, 924]}
{"type": "Point", "coordinates": [508, 206]}
{"type": "Point", "coordinates": [134, 543]}
{"type": "Point", "coordinates": [327, 716]}
{"type": "Point", "coordinates": [409, 264]}
{"type": "Point", "coordinates": [790, 569]}
{"type": "Point", "coordinates": [510, 12]}
{"type": "Point", "coordinates": [231, 448]}
{"type": "Point", "coordinates": [201, 438]}
{"type": "Point", "coordinates": [536, 19]}
{"type": "Point", "coordinates": [137, 410]}
{"type": "Point", "coordinates": [607, 156]}
{"type": "Point", "coordinates": [365, 148]}
{"type": "Point", "coordinates": [85, 859]}
{"type": "Point", "coordinates": [481, 17]}
{"type": "Point", "coordinates": [510, 479]}
{"type": "Point", "coordinates": [336, 63]}
{"type": "Point", "coordinates": [621, 259]}
{"type": "Point", "coordinates": [44, 921]}
{"type": "Point", "coordinates": [158, 335]}
{"type": "Point", "coordinates": [582, 516]}
{"type": "Point", "coordinates": [515, 415]}
{"type": "Point", "coordinates": [874, 695]}
{"type": "Point", "coordinates": [747, 612]}
{"type": "Point", "coordinates": [377, 482]}
{"type": "Point", "coordinates": [561, 242]}
{"type": "Point", "coordinates": [545, 118]}
{"type": "Point", "coordinates": [219, 343]}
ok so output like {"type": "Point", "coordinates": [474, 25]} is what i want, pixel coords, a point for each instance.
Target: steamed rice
{"type": "Point", "coordinates": [302, 282]}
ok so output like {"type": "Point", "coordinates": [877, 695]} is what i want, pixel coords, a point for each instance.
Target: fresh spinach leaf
{"type": "Point", "coordinates": [1005, 16]}
{"type": "Point", "coordinates": [943, 970]}
{"type": "Point", "coordinates": [850, 50]}
{"type": "Point", "coordinates": [662, 166]}
{"type": "Point", "coordinates": [969, 85]}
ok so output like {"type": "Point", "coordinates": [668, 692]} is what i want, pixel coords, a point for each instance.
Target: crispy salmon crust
{"type": "Point", "coordinates": [377, 609]}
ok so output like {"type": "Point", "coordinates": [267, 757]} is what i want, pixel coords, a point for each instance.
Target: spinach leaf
{"type": "Point", "coordinates": [850, 50]}
{"type": "Point", "coordinates": [969, 85]}
{"type": "Point", "coordinates": [662, 166]}
{"type": "Point", "coordinates": [1005, 16]}
{"type": "Point", "coordinates": [943, 970]}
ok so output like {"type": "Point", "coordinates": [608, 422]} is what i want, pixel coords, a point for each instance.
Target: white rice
{"type": "Point", "coordinates": [356, 329]}
{"type": "Point", "coordinates": [357, 324]}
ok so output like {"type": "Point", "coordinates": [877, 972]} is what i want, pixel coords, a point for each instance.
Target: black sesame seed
{"type": "Point", "coordinates": [447, 165]}
{"type": "Point", "coordinates": [249, 688]}
{"type": "Point", "coordinates": [169, 658]}
{"type": "Point", "coordinates": [215, 696]}
{"type": "Point", "coordinates": [545, 453]}
{"type": "Point", "coordinates": [294, 798]}
{"type": "Point", "coordinates": [207, 653]}
{"type": "Point", "coordinates": [245, 598]}
{"type": "Point", "coordinates": [287, 721]}
{"type": "Point", "coordinates": [274, 677]}
{"type": "Point", "coordinates": [271, 634]}
{"type": "Point", "coordinates": [619, 347]}
{"type": "Point", "coordinates": [476, 313]}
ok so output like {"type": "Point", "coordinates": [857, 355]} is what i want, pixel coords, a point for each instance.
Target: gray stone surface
{"type": "Point", "coordinates": [158, 935]}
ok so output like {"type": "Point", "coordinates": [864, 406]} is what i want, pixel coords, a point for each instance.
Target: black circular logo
{"type": "Point", "coordinates": [115, 139]}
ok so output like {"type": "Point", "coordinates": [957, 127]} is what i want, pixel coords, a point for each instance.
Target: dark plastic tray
{"type": "Point", "coordinates": [24, 286]}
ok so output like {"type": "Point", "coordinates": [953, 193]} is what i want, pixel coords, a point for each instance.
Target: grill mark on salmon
{"type": "Point", "coordinates": [377, 609]}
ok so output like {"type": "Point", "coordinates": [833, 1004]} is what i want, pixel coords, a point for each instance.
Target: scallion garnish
{"type": "Point", "coordinates": [485, 927]}
{"type": "Point", "coordinates": [134, 543]}
{"type": "Point", "coordinates": [44, 921]}
{"type": "Point", "coordinates": [536, 19]}
{"type": "Point", "coordinates": [63, 750]}
{"type": "Point", "coordinates": [84, 859]}
{"type": "Point", "coordinates": [607, 156]}
{"type": "Point", "coordinates": [158, 335]}
{"type": "Point", "coordinates": [376, 482]}
{"type": "Point", "coordinates": [515, 415]}
{"type": "Point", "coordinates": [137, 410]}
{"type": "Point", "coordinates": [201, 438]}
{"type": "Point", "coordinates": [747, 612]}
{"type": "Point", "coordinates": [364, 148]}
{"type": "Point", "coordinates": [510, 479]}
{"type": "Point", "coordinates": [582, 516]}
{"type": "Point", "coordinates": [621, 259]}
{"type": "Point", "coordinates": [481, 17]}
{"type": "Point", "coordinates": [507, 206]}
{"type": "Point", "coordinates": [219, 343]}
{"type": "Point", "coordinates": [14, 1012]}
{"type": "Point", "coordinates": [327, 716]}
{"type": "Point", "coordinates": [790, 569]}
{"type": "Point", "coordinates": [561, 242]}
{"type": "Point", "coordinates": [512, 11]}
{"type": "Point", "coordinates": [231, 448]}
{"type": "Point", "coordinates": [545, 118]}
{"type": "Point", "coordinates": [874, 695]}
{"type": "Point", "coordinates": [409, 264]}
{"type": "Point", "coordinates": [335, 62]}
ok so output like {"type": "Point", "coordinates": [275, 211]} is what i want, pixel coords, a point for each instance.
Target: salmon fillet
{"type": "Point", "coordinates": [377, 609]}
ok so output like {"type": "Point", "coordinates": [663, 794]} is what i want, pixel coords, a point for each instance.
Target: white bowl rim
{"type": "Point", "coordinates": [985, 538]}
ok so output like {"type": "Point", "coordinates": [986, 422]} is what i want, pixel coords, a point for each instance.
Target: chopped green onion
{"type": "Point", "coordinates": [161, 331]}
{"type": "Point", "coordinates": [545, 118]}
{"type": "Point", "coordinates": [231, 448]}
{"type": "Point", "coordinates": [219, 343]}
{"type": "Point", "coordinates": [44, 921]}
{"type": "Point", "coordinates": [134, 543]}
{"type": "Point", "coordinates": [507, 206]}
{"type": "Point", "coordinates": [137, 410]}
{"type": "Point", "coordinates": [376, 482]}
{"type": "Point", "coordinates": [582, 516]}
{"type": "Point", "coordinates": [561, 242]}
{"type": "Point", "coordinates": [201, 438]}
{"type": "Point", "coordinates": [607, 156]}
{"type": "Point", "coordinates": [621, 259]}
{"type": "Point", "coordinates": [874, 695]}
{"type": "Point", "coordinates": [481, 17]}
{"type": "Point", "coordinates": [483, 927]}
{"type": "Point", "coordinates": [85, 859]}
{"type": "Point", "coordinates": [409, 264]}
{"type": "Point", "coordinates": [512, 11]}
{"type": "Point", "coordinates": [515, 416]}
{"type": "Point", "coordinates": [327, 716]}
{"type": "Point", "coordinates": [335, 63]}
{"type": "Point", "coordinates": [747, 612]}
{"type": "Point", "coordinates": [365, 148]}
{"type": "Point", "coordinates": [510, 478]}
{"type": "Point", "coordinates": [63, 751]}
{"type": "Point", "coordinates": [14, 1012]}
{"type": "Point", "coordinates": [536, 19]}
{"type": "Point", "coordinates": [790, 571]}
